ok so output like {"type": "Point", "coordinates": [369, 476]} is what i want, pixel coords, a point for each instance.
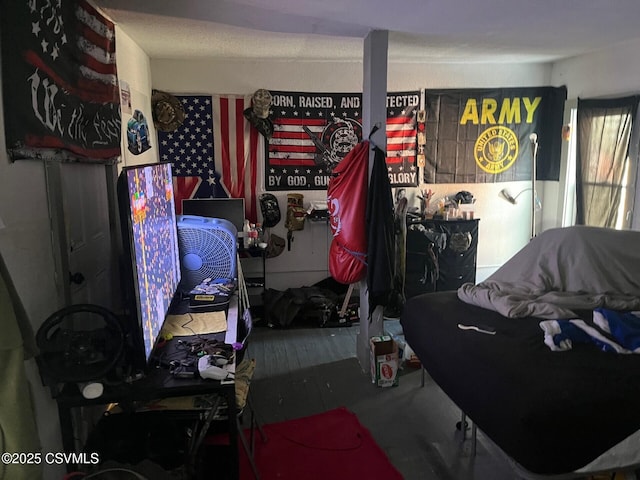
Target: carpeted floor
{"type": "Point", "coordinates": [332, 445]}
{"type": "Point", "coordinates": [302, 372]}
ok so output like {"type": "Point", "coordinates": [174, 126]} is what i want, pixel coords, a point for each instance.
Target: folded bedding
{"type": "Point", "coordinates": [562, 271]}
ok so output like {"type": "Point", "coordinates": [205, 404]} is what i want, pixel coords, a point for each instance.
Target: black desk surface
{"type": "Point", "coordinates": [157, 383]}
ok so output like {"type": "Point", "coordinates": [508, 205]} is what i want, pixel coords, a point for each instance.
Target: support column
{"type": "Point", "coordinates": [374, 112]}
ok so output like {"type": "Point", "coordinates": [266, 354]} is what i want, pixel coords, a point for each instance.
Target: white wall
{"type": "Point", "coordinates": [134, 69]}
{"type": "Point", "coordinates": [504, 228]}
{"type": "Point", "coordinates": [608, 73]}
{"type": "Point", "coordinates": [25, 244]}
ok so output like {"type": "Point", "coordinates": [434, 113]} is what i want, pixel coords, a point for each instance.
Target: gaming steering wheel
{"type": "Point", "coordinates": [80, 354]}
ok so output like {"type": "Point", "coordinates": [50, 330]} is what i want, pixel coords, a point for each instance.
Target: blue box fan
{"type": "Point", "coordinates": [208, 248]}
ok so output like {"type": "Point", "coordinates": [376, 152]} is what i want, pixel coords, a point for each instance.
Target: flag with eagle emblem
{"type": "Point", "coordinates": [489, 135]}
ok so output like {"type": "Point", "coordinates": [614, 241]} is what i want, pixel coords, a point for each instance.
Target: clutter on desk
{"type": "Point", "coordinates": [211, 294]}
{"type": "Point", "coordinates": [197, 323]}
{"type": "Point", "coordinates": [185, 359]}
{"type": "Point", "coordinates": [209, 367]}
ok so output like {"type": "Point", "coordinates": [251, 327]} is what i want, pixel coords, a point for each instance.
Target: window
{"type": "Point", "coordinates": [569, 207]}
{"type": "Point", "coordinates": [605, 167]}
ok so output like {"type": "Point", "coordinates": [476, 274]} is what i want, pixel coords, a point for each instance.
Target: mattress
{"type": "Point", "coordinates": [551, 412]}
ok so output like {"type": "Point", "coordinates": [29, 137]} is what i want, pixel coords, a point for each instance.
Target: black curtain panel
{"type": "Point", "coordinates": [605, 173]}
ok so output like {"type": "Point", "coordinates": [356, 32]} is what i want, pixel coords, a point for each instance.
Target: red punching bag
{"type": "Point", "coordinates": [347, 202]}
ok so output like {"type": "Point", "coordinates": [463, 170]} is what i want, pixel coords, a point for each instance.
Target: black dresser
{"type": "Point", "coordinates": [441, 255]}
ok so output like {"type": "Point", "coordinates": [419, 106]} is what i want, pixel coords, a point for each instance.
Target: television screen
{"type": "Point", "coordinates": [148, 209]}
{"type": "Point", "coordinates": [231, 209]}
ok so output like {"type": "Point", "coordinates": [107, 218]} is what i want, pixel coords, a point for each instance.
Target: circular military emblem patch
{"type": "Point", "coordinates": [496, 149]}
{"type": "Point", "coordinates": [341, 136]}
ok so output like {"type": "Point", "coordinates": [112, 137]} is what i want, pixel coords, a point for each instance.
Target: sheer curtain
{"type": "Point", "coordinates": [605, 170]}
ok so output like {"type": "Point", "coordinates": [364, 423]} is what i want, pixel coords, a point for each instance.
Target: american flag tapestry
{"type": "Point", "coordinates": [489, 135]}
{"type": "Point", "coordinates": [215, 152]}
{"type": "Point", "coordinates": [59, 78]}
{"type": "Point", "coordinates": [312, 132]}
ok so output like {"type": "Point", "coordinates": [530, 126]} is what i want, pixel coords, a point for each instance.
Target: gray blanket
{"type": "Point", "coordinates": [563, 270]}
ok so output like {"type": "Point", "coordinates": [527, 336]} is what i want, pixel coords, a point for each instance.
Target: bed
{"type": "Point", "coordinates": [560, 412]}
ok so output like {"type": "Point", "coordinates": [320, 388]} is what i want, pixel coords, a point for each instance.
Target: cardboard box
{"type": "Point", "coordinates": [384, 361]}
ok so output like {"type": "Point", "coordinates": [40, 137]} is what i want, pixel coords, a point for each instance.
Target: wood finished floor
{"type": "Point", "coordinates": [303, 371]}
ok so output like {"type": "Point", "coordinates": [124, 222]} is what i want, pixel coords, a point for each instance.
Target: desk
{"type": "Point", "coordinates": [158, 383]}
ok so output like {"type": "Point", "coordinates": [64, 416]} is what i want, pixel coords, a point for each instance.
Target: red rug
{"type": "Point", "coordinates": [329, 446]}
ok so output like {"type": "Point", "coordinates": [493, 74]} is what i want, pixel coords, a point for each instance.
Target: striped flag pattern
{"type": "Point", "coordinates": [238, 148]}
{"type": "Point", "coordinates": [61, 83]}
{"type": "Point", "coordinates": [96, 44]}
{"type": "Point", "coordinates": [291, 145]}
{"type": "Point", "coordinates": [310, 128]}
{"type": "Point", "coordinates": [401, 137]}
{"type": "Point", "coordinates": [215, 152]}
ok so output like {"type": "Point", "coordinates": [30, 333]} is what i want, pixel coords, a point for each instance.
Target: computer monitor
{"type": "Point", "coordinates": [151, 256]}
{"type": "Point", "coordinates": [231, 209]}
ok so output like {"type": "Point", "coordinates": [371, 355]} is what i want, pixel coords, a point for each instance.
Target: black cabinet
{"type": "Point", "coordinates": [441, 255]}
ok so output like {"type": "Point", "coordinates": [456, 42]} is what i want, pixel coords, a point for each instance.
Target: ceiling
{"type": "Point", "coordinates": [433, 31]}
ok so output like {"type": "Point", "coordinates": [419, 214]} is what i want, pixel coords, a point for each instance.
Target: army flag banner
{"type": "Point", "coordinates": [312, 132]}
{"type": "Point", "coordinates": [489, 135]}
